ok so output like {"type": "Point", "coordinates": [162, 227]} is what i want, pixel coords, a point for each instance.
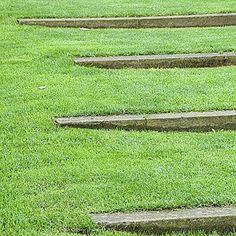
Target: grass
{"type": "Point", "coordinates": [32, 8]}
{"type": "Point", "coordinates": [55, 43]}
{"type": "Point", "coordinates": [52, 178]}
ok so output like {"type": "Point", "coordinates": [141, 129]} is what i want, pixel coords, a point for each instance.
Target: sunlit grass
{"type": "Point", "coordinates": [52, 178]}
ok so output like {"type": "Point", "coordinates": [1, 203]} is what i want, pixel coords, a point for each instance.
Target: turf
{"type": "Point", "coordinates": [54, 43]}
{"type": "Point", "coordinates": [84, 8]}
{"type": "Point", "coordinates": [52, 178]}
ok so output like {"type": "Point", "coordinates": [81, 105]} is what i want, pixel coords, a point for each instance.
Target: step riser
{"type": "Point", "coordinates": [193, 124]}
{"type": "Point", "coordinates": [221, 225]}
{"type": "Point", "coordinates": [209, 20]}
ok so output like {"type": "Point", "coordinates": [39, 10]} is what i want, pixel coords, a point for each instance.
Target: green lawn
{"type": "Point", "coordinates": [71, 8]}
{"type": "Point", "coordinates": [53, 178]}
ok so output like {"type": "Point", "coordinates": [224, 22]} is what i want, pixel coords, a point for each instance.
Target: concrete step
{"type": "Point", "coordinates": [206, 20]}
{"type": "Point", "coordinates": [221, 219]}
{"type": "Point", "coordinates": [160, 61]}
{"type": "Point", "coordinates": [185, 121]}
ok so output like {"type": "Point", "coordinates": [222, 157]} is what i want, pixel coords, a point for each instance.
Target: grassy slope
{"type": "Point", "coordinates": [115, 8]}
{"type": "Point", "coordinates": [51, 179]}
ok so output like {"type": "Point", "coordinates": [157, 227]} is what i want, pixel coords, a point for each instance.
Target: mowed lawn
{"type": "Point", "coordinates": [52, 178]}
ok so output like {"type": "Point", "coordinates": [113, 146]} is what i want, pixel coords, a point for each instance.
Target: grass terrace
{"type": "Point", "coordinates": [53, 178]}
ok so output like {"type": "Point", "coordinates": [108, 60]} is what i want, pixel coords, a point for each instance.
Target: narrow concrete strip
{"type": "Point", "coordinates": [206, 20]}
{"type": "Point", "coordinates": [221, 219]}
{"type": "Point", "coordinates": [127, 122]}
{"type": "Point", "coordinates": [160, 61]}
{"type": "Point", "coordinates": [187, 121]}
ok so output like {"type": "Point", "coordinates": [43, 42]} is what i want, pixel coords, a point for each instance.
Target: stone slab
{"type": "Point", "coordinates": [127, 122]}
{"type": "Point", "coordinates": [221, 219]}
{"type": "Point", "coordinates": [206, 20]}
{"type": "Point", "coordinates": [160, 61]}
{"type": "Point", "coordinates": [185, 121]}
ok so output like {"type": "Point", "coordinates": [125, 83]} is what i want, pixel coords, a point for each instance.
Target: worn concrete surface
{"type": "Point", "coordinates": [160, 61]}
{"type": "Point", "coordinates": [205, 20]}
{"type": "Point", "coordinates": [221, 219]}
{"type": "Point", "coordinates": [185, 121]}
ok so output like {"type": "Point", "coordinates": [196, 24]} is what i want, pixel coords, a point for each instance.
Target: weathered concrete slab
{"type": "Point", "coordinates": [160, 61]}
{"type": "Point", "coordinates": [127, 122]}
{"type": "Point", "coordinates": [206, 20]}
{"type": "Point", "coordinates": [221, 219]}
{"type": "Point", "coordinates": [187, 121]}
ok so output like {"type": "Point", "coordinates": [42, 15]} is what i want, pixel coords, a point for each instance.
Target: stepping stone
{"type": "Point", "coordinates": [160, 61]}
{"type": "Point", "coordinates": [188, 121]}
{"type": "Point", "coordinates": [221, 219]}
{"type": "Point", "coordinates": [138, 22]}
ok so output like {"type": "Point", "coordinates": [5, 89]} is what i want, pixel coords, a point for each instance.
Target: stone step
{"type": "Point", "coordinates": [206, 20]}
{"type": "Point", "coordinates": [185, 121]}
{"type": "Point", "coordinates": [221, 219]}
{"type": "Point", "coordinates": [160, 61]}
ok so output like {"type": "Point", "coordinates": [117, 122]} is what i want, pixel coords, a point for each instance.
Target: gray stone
{"type": "Point", "coordinates": [205, 20]}
{"type": "Point", "coordinates": [160, 61]}
{"type": "Point", "coordinates": [221, 219]}
{"type": "Point", "coordinates": [184, 121]}
{"type": "Point", "coordinates": [106, 122]}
